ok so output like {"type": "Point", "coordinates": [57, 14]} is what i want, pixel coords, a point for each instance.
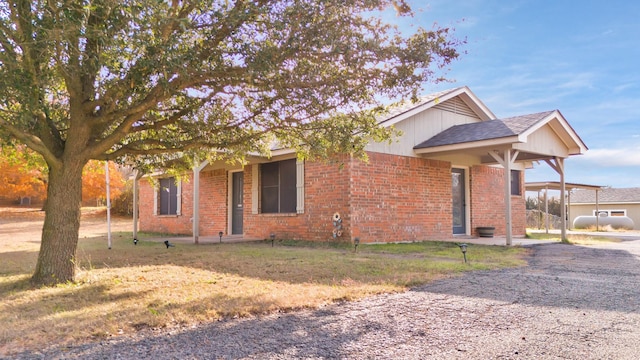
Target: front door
{"type": "Point", "coordinates": [458, 194]}
{"type": "Point", "coordinates": [237, 203]}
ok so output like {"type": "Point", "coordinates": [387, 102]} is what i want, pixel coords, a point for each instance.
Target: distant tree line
{"type": "Point", "coordinates": [537, 203]}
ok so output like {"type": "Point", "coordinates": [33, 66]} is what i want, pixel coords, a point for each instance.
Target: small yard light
{"type": "Point", "coordinates": [220, 234]}
{"type": "Point", "coordinates": [463, 248]}
{"type": "Point", "coordinates": [356, 242]}
{"type": "Point", "coordinates": [273, 237]}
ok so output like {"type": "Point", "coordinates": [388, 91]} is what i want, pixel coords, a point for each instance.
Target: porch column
{"type": "Point", "coordinates": [196, 200]}
{"type": "Point", "coordinates": [569, 209]}
{"type": "Point", "coordinates": [558, 165]}
{"type": "Point", "coordinates": [597, 213]}
{"type": "Point", "coordinates": [136, 176]}
{"type": "Point", "coordinates": [506, 160]}
{"type": "Point", "coordinates": [546, 209]}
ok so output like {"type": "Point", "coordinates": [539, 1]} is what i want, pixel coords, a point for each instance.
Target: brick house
{"type": "Point", "coordinates": [454, 168]}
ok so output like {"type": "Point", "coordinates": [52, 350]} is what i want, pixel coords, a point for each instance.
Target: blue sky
{"type": "Point", "coordinates": [580, 57]}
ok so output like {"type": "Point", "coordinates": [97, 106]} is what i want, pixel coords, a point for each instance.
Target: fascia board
{"type": "Point", "coordinates": [469, 145]}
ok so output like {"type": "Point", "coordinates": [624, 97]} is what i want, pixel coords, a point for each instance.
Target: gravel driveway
{"type": "Point", "coordinates": [571, 302]}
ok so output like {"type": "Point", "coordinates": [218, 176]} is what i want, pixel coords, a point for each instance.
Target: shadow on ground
{"type": "Point", "coordinates": [558, 275]}
{"type": "Point", "coordinates": [591, 279]}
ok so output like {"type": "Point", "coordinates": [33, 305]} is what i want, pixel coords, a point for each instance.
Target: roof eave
{"type": "Point", "coordinates": [499, 142]}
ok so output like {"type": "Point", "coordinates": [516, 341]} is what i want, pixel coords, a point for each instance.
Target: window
{"type": "Point", "coordinates": [515, 182]}
{"type": "Point", "coordinates": [168, 197]}
{"type": "Point", "coordinates": [610, 213]}
{"type": "Point", "coordinates": [278, 187]}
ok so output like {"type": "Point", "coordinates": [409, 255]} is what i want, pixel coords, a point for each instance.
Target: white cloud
{"type": "Point", "coordinates": [615, 157]}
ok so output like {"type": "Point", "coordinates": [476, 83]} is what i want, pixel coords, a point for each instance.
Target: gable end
{"type": "Point", "coordinates": [457, 106]}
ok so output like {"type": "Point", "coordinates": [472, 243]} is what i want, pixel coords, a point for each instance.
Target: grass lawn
{"type": "Point", "coordinates": [129, 287]}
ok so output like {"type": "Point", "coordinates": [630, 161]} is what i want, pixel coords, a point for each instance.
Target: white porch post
{"type": "Point", "coordinates": [558, 166]}
{"type": "Point", "coordinates": [569, 209]}
{"type": "Point", "coordinates": [136, 176]}
{"type": "Point", "coordinates": [196, 200]}
{"type": "Point", "coordinates": [597, 213]}
{"type": "Point", "coordinates": [546, 208]}
{"type": "Point", "coordinates": [507, 163]}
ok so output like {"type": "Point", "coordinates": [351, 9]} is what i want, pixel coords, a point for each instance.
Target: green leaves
{"type": "Point", "coordinates": [151, 81]}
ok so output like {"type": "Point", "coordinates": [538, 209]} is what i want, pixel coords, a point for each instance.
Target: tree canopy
{"type": "Point", "coordinates": [153, 81]}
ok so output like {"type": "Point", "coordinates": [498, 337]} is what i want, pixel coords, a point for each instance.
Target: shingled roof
{"type": "Point", "coordinates": [484, 130]}
{"type": "Point", "coordinates": [609, 195]}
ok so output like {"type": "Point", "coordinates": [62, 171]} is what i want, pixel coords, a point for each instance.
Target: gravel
{"type": "Point", "coordinates": [571, 302]}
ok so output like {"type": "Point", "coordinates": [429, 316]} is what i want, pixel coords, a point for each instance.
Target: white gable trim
{"type": "Point", "coordinates": [468, 97]}
{"type": "Point", "coordinates": [579, 144]}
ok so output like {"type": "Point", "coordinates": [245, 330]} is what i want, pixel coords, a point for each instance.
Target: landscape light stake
{"type": "Point", "coordinates": [273, 237]}
{"type": "Point", "coordinates": [220, 234]}
{"type": "Point", "coordinates": [463, 248]}
{"type": "Point", "coordinates": [356, 242]}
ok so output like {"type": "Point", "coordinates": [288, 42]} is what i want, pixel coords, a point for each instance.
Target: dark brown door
{"type": "Point", "coordinates": [458, 205]}
{"type": "Point", "coordinates": [237, 211]}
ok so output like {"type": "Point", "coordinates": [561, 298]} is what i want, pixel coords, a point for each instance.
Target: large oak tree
{"type": "Point", "coordinates": [152, 82]}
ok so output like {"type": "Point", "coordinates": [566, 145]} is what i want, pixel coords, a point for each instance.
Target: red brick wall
{"type": "Point", "coordinates": [213, 202]}
{"type": "Point", "coordinates": [172, 224]}
{"type": "Point", "coordinates": [396, 198]}
{"type": "Point", "coordinates": [487, 201]}
{"type": "Point", "coordinates": [213, 206]}
{"type": "Point", "coordinates": [326, 192]}
{"type": "Point", "coordinates": [390, 198]}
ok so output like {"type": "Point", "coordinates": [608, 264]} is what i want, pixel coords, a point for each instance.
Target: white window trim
{"type": "Point", "coordinates": [156, 195]}
{"type": "Point", "coordinates": [255, 187]}
{"type": "Point", "coordinates": [179, 198]}
{"type": "Point", "coordinates": [300, 186]}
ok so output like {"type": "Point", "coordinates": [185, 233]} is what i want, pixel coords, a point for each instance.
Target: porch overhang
{"type": "Point", "coordinates": [554, 185]}
{"type": "Point", "coordinates": [524, 139]}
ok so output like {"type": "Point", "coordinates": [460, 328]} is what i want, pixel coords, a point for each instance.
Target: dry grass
{"type": "Point", "coordinates": [578, 239]}
{"type": "Point", "coordinates": [128, 288]}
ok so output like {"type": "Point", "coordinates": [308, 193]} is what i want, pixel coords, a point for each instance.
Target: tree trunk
{"type": "Point", "coordinates": [57, 257]}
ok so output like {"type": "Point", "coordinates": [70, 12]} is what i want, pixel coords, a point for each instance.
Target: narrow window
{"type": "Point", "coordinates": [168, 197]}
{"type": "Point", "coordinates": [515, 182]}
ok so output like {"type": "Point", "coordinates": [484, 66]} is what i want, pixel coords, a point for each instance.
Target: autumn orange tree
{"type": "Point", "coordinates": [153, 82]}
{"type": "Point", "coordinates": [23, 173]}
{"type": "Point", "coordinates": [94, 183]}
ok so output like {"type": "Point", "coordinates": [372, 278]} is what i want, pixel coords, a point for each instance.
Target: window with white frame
{"type": "Point", "coordinates": [278, 192]}
{"type": "Point", "coordinates": [168, 197]}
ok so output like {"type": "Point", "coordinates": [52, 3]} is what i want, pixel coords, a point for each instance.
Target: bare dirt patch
{"type": "Point", "coordinates": [20, 227]}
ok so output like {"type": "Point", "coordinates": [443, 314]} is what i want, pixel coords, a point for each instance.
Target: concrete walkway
{"type": "Point", "coordinates": [496, 240]}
